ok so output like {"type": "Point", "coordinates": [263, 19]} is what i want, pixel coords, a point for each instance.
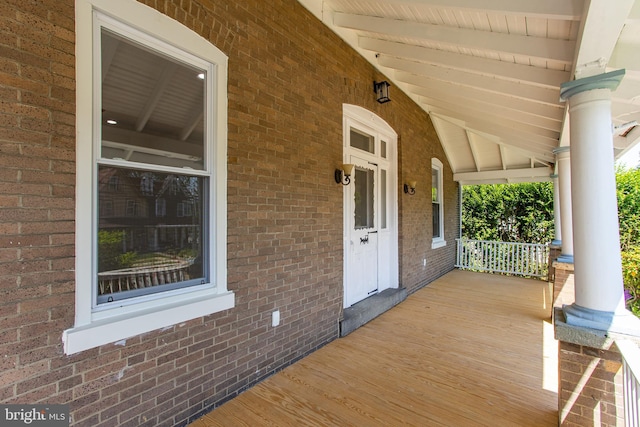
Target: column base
{"type": "Point", "coordinates": [622, 323]}
{"type": "Point", "coordinates": [567, 259]}
{"type": "Point", "coordinates": [556, 243]}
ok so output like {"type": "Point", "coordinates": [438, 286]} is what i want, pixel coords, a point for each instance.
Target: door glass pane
{"type": "Point", "coordinates": [383, 199]}
{"type": "Point", "coordinates": [153, 107]}
{"type": "Point", "coordinates": [361, 141]}
{"type": "Point", "coordinates": [363, 198]}
{"type": "Point", "coordinates": [383, 149]}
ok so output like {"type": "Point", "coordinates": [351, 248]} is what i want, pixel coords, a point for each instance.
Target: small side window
{"type": "Point", "coordinates": [437, 204]}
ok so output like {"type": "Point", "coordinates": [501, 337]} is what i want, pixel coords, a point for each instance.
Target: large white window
{"type": "Point", "coordinates": [151, 174]}
{"type": "Point", "coordinates": [437, 204]}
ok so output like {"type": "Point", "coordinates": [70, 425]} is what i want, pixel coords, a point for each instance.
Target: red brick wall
{"type": "Point", "coordinates": [590, 386]}
{"type": "Point", "coordinates": [563, 285]}
{"type": "Point", "coordinates": [288, 79]}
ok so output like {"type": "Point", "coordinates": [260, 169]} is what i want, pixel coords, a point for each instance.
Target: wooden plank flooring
{"type": "Point", "coordinates": [470, 349]}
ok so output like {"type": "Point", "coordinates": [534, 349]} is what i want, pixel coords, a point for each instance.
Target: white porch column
{"type": "Point", "coordinates": [563, 162]}
{"type": "Point", "coordinates": [599, 302]}
{"type": "Point", "coordinates": [557, 224]}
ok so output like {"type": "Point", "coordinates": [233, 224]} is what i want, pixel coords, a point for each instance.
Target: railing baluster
{"type": "Point", "coordinates": [526, 259]}
{"type": "Point", "coordinates": [631, 381]}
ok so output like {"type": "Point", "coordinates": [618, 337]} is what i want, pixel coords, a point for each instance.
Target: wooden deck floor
{"type": "Point", "coordinates": [470, 349]}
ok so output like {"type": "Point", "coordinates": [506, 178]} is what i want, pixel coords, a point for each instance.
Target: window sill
{"type": "Point", "coordinates": [435, 244]}
{"type": "Point", "coordinates": [125, 326]}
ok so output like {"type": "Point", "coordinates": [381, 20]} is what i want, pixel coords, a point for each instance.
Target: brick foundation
{"type": "Point", "coordinates": [590, 376]}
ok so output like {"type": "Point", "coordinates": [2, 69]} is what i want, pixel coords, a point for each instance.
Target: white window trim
{"type": "Point", "coordinates": [93, 328]}
{"type": "Point", "coordinates": [439, 242]}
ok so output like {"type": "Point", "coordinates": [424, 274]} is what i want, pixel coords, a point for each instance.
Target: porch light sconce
{"type": "Point", "coordinates": [382, 91]}
{"type": "Point", "coordinates": [410, 188]}
{"type": "Point", "coordinates": [343, 176]}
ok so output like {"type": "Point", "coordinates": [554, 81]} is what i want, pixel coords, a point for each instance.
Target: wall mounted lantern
{"type": "Point", "coordinates": [343, 176]}
{"type": "Point", "coordinates": [382, 91]}
{"type": "Point", "coordinates": [410, 188]}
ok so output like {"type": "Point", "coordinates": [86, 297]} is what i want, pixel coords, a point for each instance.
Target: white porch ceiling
{"type": "Point", "coordinates": [489, 72]}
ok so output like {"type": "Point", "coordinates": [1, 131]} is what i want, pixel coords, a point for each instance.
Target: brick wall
{"type": "Point", "coordinates": [416, 231]}
{"type": "Point", "coordinates": [590, 386]}
{"type": "Point", "coordinates": [563, 284]}
{"type": "Point", "coordinates": [288, 79]}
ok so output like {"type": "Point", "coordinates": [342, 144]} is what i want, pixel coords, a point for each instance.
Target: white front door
{"type": "Point", "coordinates": [370, 206]}
{"type": "Point", "coordinates": [362, 231]}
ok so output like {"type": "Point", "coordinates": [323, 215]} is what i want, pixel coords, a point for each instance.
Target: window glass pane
{"type": "Point", "coordinates": [436, 220]}
{"type": "Point", "coordinates": [361, 141]}
{"type": "Point", "coordinates": [363, 198]}
{"type": "Point", "coordinates": [435, 184]}
{"type": "Point", "coordinates": [383, 198]}
{"type": "Point", "coordinates": [152, 106]}
{"type": "Point", "coordinates": [383, 149]}
{"type": "Point", "coordinates": [149, 232]}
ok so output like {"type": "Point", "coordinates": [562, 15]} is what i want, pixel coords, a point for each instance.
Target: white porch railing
{"type": "Point", "coordinates": [523, 259]}
{"type": "Point", "coordinates": [631, 382]}
{"type": "Point", "coordinates": [142, 277]}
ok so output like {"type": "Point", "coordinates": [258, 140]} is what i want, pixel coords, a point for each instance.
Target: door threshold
{"type": "Point", "coordinates": [370, 308]}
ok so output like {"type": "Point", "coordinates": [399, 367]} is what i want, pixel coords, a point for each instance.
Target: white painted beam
{"type": "Point", "coordinates": [509, 174]}
{"type": "Point", "coordinates": [508, 138]}
{"type": "Point", "coordinates": [537, 47]}
{"type": "Point", "coordinates": [568, 10]}
{"type": "Point", "coordinates": [491, 115]}
{"type": "Point", "coordinates": [491, 124]}
{"type": "Point", "coordinates": [474, 150]}
{"type": "Point", "coordinates": [600, 31]}
{"type": "Point", "coordinates": [625, 56]}
{"type": "Point", "coordinates": [444, 90]}
{"type": "Point", "coordinates": [465, 78]}
{"type": "Point", "coordinates": [503, 158]}
{"type": "Point", "coordinates": [191, 125]}
{"type": "Point", "coordinates": [141, 141]}
{"type": "Point", "coordinates": [507, 70]}
{"type": "Point", "coordinates": [452, 156]}
{"type": "Point", "coordinates": [152, 101]}
{"type": "Point", "coordinates": [481, 108]}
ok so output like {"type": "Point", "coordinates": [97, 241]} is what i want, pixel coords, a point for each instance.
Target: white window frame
{"type": "Point", "coordinates": [439, 241]}
{"type": "Point", "coordinates": [95, 326]}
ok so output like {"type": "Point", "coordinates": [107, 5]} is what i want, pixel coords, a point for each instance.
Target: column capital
{"type": "Point", "coordinates": [561, 149]}
{"type": "Point", "coordinates": [601, 81]}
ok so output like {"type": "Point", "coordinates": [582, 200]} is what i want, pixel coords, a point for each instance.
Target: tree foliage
{"type": "Point", "coordinates": [628, 192]}
{"type": "Point", "coordinates": [508, 212]}
{"type": "Point", "coordinates": [524, 213]}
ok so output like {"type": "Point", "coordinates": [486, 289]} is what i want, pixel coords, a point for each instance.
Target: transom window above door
{"type": "Point", "coordinates": [362, 141]}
